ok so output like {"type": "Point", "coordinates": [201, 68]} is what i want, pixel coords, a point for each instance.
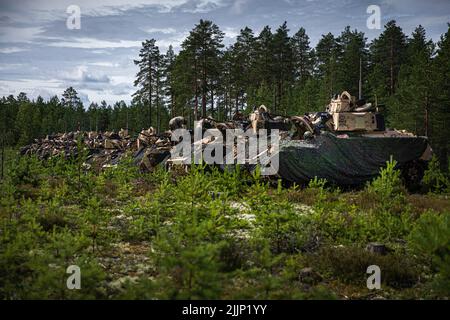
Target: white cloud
{"type": "Point", "coordinates": [49, 88]}
{"type": "Point", "coordinates": [175, 41]}
{"type": "Point", "coordinates": [75, 74]}
{"type": "Point", "coordinates": [50, 10]}
{"type": "Point", "coordinates": [40, 92]}
{"type": "Point", "coordinates": [104, 64]}
{"type": "Point", "coordinates": [81, 74]}
{"type": "Point", "coordinates": [98, 54]}
{"type": "Point", "coordinates": [238, 6]}
{"type": "Point", "coordinates": [29, 86]}
{"type": "Point", "coordinates": [204, 6]}
{"type": "Point", "coordinates": [10, 66]}
{"type": "Point", "coordinates": [231, 32]}
{"type": "Point", "coordinates": [160, 30]}
{"type": "Point", "coordinates": [92, 43]}
{"type": "Point", "coordinates": [424, 21]}
{"type": "Point", "coordinates": [12, 50]}
{"type": "Point", "coordinates": [102, 52]}
{"type": "Point", "coordinates": [120, 79]}
{"type": "Point", "coordinates": [88, 77]}
{"type": "Point", "coordinates": [15, 34]}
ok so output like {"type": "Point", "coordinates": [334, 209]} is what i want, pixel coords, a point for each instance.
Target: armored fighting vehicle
{"type": "Point", "coordinates": [348, 144]}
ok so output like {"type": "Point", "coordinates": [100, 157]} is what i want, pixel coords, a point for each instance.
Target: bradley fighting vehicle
{"type": "Point", "coordinates": [348, 144]}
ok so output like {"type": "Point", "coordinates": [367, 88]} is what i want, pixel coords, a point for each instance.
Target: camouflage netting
{"type": "Point", "coordinates": [346, 161]}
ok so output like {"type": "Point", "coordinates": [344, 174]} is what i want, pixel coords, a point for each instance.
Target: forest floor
{"type": "Point", "coordinates": [214, 235]}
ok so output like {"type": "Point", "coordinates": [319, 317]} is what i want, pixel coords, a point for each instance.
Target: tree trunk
{"type": "Point", "coordinates": [427, 107]}
{"type": "Point", "coordinates": [212, 103]}
{"type": "Point", "coordinates": [150, 95]}
{"type": "Point", "coordinates": [3, 157]}
{"type": "Point", "coordinates": [392, 67]}
{"type": "Point", "coordinates": [196, 91]}
{"type": "Point", "coordinates": [189, 116]}
{"type": "Point", "coordinates": [279, 94]}
{"type": "Point", "coordinates": [172, 105]}
{"type": "Point", "coordinates": [203, 104]}
{"type": "Point", "coordinates": [196, 107]}
{"type": "Point", "coordinates": [204, 86]}
{"type": "Point", "coordinates": [225, 105]}
{"type": "Point", "coordinates": [274, 98]}
{"type": "Point", "coordinates": [158, 116]}
{"type": "Point", "coordinates": [204, 96]}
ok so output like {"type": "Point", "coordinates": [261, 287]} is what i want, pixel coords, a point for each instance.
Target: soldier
{"type": "Point", "coordinates": [259, 117]}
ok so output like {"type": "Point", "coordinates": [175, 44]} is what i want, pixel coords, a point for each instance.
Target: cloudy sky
{"type": "Point", "coordinates": [41, 56]}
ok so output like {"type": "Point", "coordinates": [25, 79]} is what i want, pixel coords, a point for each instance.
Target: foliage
{"type": "Point", "coordinates": [430, 238]}
{"type": "Point", "coordinates": [435, 179]}
{"type": "Point", "coordinates": [388, 186]}
{"type": "Point", "coordinates": [350, 264]}
{"type": "Point", "coordinates": [208, 234]}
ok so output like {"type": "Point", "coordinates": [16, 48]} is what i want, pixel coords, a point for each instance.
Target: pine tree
{"type": "Point", "coordinates": [241, 55]}
{"type": "Point", "coordinates": [283, 64]}
{"type": "Point", "coordinates": [203, 46]}
{"type": "Point", "coordinates": [227, 87]}
{"type": "Point", "coordinates": [305, 97]}
{"type": "Point", "coordinates": [410, 106]}
{"type": "Point", "coordinates": [55, 115]}
{"type": "Point", "coordinates": [93, 116]}
{"type": "Point", "coordinates": [302, 56]}
{"type": "Point", "coordinates": [327, 53]}
{"type": "Point", "coordinates": [146, 78]}
{"type": "Point", "coordinates": [387, 53]}
{"type": "Point", "coordinates": [103, 118]}
{"type": "Point", "coordinates": [73, 106]}
{"type": "Point", "coordinates": [264, 66]}
{"type": "Point", "coordinates": [185, 85]}
{"type": "Point", "coordinates": [23, 124]}
{"type": "Point", "coordinates": [352, 51]}
{"type": "Point", "coordinates": [158, 90]}
{"type": "Point", "coordinates": [440, 115]}
{"type": "Point", "coordinates": [169, 86]}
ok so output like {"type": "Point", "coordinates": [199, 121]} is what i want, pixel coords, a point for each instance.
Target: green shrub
{"type": "Point", "coordinates": [278, 222]}
{"type": "Point", "coordinates": [261, 280]}
{"type": "Point", "coordinates": [188, 268]}
{"type": "Point", "coordinates": [94, 220]}
{"type": "Point", "coordinates": [430, 238]}
{"type": "Point", "coordinates": [211, 234]}
{"type": "Point", "coordinates": [230, 181]}
{"type": "Point", "coordinates": [27, 171]}
{"type": "Point", "coordinates": [388, 186]}
{"type": "Point", "coordinates": [35, 252]}
{"type": "Point", "coordinates": [349, 264]}
{"type": "Point", "coordinates": [317, 183]}
{"type": "Point", "coordinates": [434, 179]}
{"type": "Point", "coordinates": [48, 279]}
